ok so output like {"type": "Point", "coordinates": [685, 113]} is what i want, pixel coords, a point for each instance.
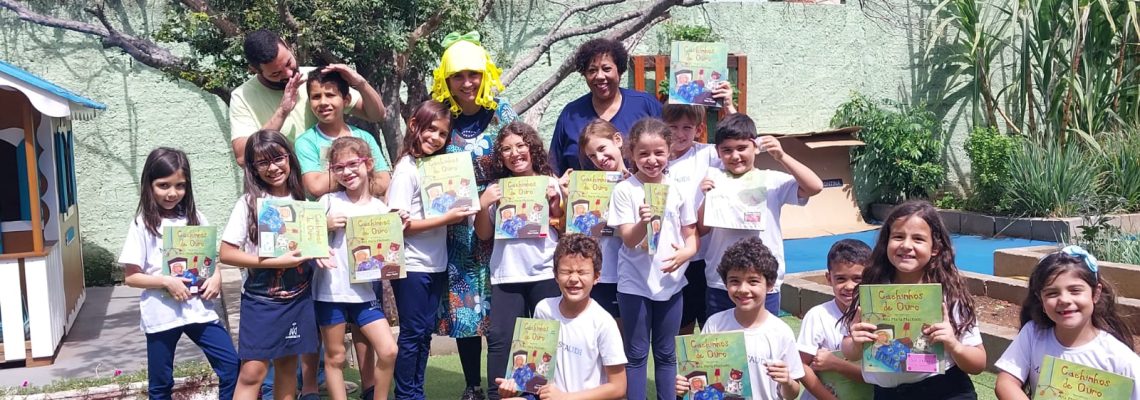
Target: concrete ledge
{"type": "Point", "coordinates": [976, 224]}
{"type": "Point", "coordinates": [880, 211]}
{"type": "Point", "coordinates": [1046, 229]}
{"type": "Point", "coordinates": [952, 219]}
{"type": "Point", "coordinates": [1019, 262]}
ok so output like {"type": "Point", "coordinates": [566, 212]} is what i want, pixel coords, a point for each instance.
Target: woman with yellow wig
{"type": "Point", "coordinates": [467, 80]}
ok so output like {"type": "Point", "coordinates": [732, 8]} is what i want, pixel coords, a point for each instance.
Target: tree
{"type": "Point", "coordinates": [393, 43]}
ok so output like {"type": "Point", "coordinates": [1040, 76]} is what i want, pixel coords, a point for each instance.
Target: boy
{"type": "Point", "coordinates": [748, 270]}
{"type": "Point", "coordinates": [328, 95]}
{"type": "Point", "coordinates": [820, 334]}
{"type": "Point", "coordinates": [737, 146]}
{"type": "Point", "coordinates": [591, 357]}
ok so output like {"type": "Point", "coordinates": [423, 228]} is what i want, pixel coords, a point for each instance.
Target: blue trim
{"type": "Point", "coordinates": [27, 77]}
{"type": "Point", "coordinates": [22, 174]}
{"type": "Point", "coordinates": [72, 198]}
{"type": "Point", "coordinates": [60, 171]}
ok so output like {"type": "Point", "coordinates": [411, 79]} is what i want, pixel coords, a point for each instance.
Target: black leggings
{"type": "Point", "coordinates": [471, 359]}
{"type": "Point", "coordinates": [953, 385]}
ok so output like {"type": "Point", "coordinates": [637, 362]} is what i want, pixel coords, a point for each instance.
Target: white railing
{"type": "Point", "coordinates": [42, 291]}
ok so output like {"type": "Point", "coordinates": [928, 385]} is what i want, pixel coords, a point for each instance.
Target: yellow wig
{"type": "Point", "coordinates": [465, 53]}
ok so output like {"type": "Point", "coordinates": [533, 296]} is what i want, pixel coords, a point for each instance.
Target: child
{"type": "Point", "coordinates": [1069, 313]}
{"type": "Point", "coordinates": [168, 308]}
{"type": "Point", "coordinates": [649, 286]}
{"type": "Point", "coordinates": [737, 145]}
{"type": "Point", "coordinates": [425, 247]}
{"type": "Point", "coordinates": [601, 143]}
{"type": "Point", "coordinates": [278, 321]}
{"type": "Point", "coordinates": [328, 97]}
{"type": "Point", "coordinates": [914, 247]}
{"type": "Point", "coordinates": [337, 300]}
{"type": "Point", "coordinates": [820, 334]}
{"type": "Point", "coordinates": [590, 362]}
{"type": "Point", "coordinates": [521, 269]}
{"type": "Point", "coordinates": [748, 270]}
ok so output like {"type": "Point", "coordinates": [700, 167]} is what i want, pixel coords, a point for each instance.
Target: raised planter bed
{"type": "Point", "coordinates": [1045, 229]}
{"type": "Point", "coordinates": [1019, 263]}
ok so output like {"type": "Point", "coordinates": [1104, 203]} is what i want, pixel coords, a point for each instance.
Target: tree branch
{"type": "Point", "coordinates": [555, 35]}
{"type": "Point", "coordinates": [424, 29]}
{"type": "Point", "coordinates": [227, 27]}
{"type": "Point", "coordinates": [484, 11]}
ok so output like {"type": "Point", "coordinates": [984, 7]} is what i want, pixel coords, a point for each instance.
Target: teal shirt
{"type": "Point", "coordinates": [312, 148]}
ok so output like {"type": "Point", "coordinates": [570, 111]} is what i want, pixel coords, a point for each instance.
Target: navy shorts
{"type": "Point", "coordinates": [606, 296]}
{"type": "Point", "coordinates": [359, 314]}
{"type": "Point", "coordinates": [272, 329]}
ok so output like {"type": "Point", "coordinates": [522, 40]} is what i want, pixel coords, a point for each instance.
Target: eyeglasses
{"type": "Point", "coordinates": [280, 161]}
{"type": "Point", "coordinates": [516, 149]}
{"type": "Point", "coordinates": [350, 164]}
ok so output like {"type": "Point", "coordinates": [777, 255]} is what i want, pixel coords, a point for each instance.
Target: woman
{"type": "Point", "coordinates": [602, 63]}
{"type": "Point", "coordinates": [465, 81]}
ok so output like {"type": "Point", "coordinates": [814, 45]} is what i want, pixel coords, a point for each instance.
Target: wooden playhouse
{"type": "Point", "coordinates": [41, 261]}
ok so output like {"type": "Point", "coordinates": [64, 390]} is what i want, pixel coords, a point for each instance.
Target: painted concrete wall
{"type": "Point", "coordinates": [804, 60]}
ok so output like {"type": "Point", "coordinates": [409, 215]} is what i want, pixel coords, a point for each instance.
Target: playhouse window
{"type": "Point", "coordinates": [13, 174]}
{"type": "Point", "coordinates": [65, 169]}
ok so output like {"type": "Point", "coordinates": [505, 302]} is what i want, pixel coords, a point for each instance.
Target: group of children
{"type": "Point", "coordinates": [591, 286]}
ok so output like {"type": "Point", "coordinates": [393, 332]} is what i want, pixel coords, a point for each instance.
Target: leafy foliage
{"type": "Point", "coordinates": [1122, 170]}
{"type": "Point", "coordinates": [689, 33]}
{"type": "Point", "coordinates": [989, 152]}
{"type": "Point", "coordinates": [1050, 180]}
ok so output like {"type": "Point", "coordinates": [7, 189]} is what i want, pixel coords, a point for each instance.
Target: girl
{"type": "Point", "coordinates": [168, 308]}
{"type": "Point", "coordinates": [338, 301]}
{"type": "Point", "coordinates": [276, 305]}
{"type": "Point", "coordinates": [425, 248]}
{"type": "Point", "coordinates": [601, 143]}
{"type": "Point", "coordinates": [522, 270]}
{"type": "Point", "coordinates": [914, 247]}
{"type": "Point", "coordinates": [649, 286]}
{"type": "Point", "coordinates": [1069, 313]}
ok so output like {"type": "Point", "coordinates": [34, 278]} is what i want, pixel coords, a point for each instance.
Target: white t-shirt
{"type": "Point", "coordinates": [688, 171]}
{"type": "Point", "coordinates": [610, 246]}
{"type": "Point", "coordinates": [772, 340]}
{"type": "Point", "coordinates": [524, 260]}
{"type": "Point", "coordinates": [586, 345]}
{"type": "Point", "coordinates": [972, 337]}
{"type": "Point", "coordinates": [782, 189]}
{"type": "Point", "coordinates": [820, 329]}
{"type": "Point", "coordinates": [335, 285]}
{"type": "Point", "coordinates": [639, 273]}
{"type": "Point", "coordinates": [160, 311]}
{"type": "Point", "coordinates": [1023, 357]}
{"type": "Point", "coordinates": [425, 251]}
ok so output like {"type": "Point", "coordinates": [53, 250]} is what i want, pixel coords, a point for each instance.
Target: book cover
{"type": "Point", "coordinates": [737, 202]}
{"type": "Point", "coordinates": [655, 196]}
{"type": "Point", "coordinates": [715, 364]}
{"type": "Point", "coordinates": [533, 348]}
{"type": "Point", "coordinates": [588, 201]}
{"type": "Point", "coordinates": [447, 181]}
{"type": "Point", "coordinates": [1066, 380]}
{"type": "Point", "coordinates": [844, 388]}
{"type": "Point", "coordinates": [523, 212]}
{"type": "Point", "coordinates": [900, 313]}
{"type": "Point", "coordinates": [695, 70]}
{"type": "Point", "coordinates": [190, 252]}
{"type": "Point", "coordinates": [288, 225]}
{"type": "Point", "coordinates": [375, 247]}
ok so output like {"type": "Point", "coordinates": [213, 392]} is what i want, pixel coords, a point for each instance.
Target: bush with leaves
{"type": "Point", "coordinates": [902, 158]}
{"type": "Point", "coordinates": [1122, 170]}
{"type": "Point", "coordinates": [989, 152]}
{"type": "Point", "coordinates": [1050, 180]}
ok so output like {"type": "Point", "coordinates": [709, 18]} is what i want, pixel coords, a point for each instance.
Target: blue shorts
{"type": "Point", "coordinates": [359, 314]}
{"type": "Point", "coordinates": [272, 329]}
{"type": "Point", "coordinates": [606, 296]}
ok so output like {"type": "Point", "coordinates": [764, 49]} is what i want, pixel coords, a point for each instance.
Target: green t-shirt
{"type": "Point", "coordinates": [312, 149]}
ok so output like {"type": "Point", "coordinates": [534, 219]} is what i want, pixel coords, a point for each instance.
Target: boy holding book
{"type": "Point", "coordinates": [820, 334]}
{"type": "Point", "coordinates": [590, 363]}
{"type": "Point", "coordinates": [748, 269]}
{"type": "Point", "coordinates": [737, 145]}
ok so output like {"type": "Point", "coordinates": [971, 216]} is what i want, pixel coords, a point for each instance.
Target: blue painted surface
{"type": "Point", "coordinates": [16, 72]}
{"type": "Point", "coordinates": [972, 253]}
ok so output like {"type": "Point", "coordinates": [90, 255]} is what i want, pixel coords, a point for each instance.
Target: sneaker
{"type": "Point", "coordinates": [310, 396]}
{"type": "Point", "coordinates": [473, 393]}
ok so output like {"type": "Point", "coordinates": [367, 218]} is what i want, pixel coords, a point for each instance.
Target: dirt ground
{"type": "Point", "coordinates": [1004, 313]}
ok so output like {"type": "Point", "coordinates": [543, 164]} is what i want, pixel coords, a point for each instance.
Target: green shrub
{"type": "Point", "coordinates": [99, 266]}
{"type": "Point", "coordinates": [1050, 180]}
{"type": "Point", "coordinates": [1107, 242]}
{"type": "Point", "coordinates": [902, 158]}
{"type": "Point", "coordinates": [989, 152]}
{"type": "Point", "coordinates": [1122, 170]}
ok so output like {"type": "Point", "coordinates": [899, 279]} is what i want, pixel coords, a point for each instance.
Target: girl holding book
{"type": "Point", "coordinates": [1069, 313]}
{"type": "Point", "coordinates": [425, 247]}
{"type": "Point", "coordinates": [649, 285]}
{"type": "Point", "coordinates": [337, 299]}
{"type": "Point", "coordinates": [276, 302]}
{"type": "Point", "coordinates": [522, 270]}
{"type": "Point", "coordinates": [168, 308]}
{"type": "Point", "coordinates": [914, 247]}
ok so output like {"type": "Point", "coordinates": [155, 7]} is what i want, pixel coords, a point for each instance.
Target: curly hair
{"type": "Point", "coordinates": [750, 255]}
{"type": "Point", "coordinates": [601, 46]}
{"type": "Point", "coordinates": [577, 244]}
{"type": "Point", "coordinates": [538, 159]}
{"type": "Point", "coordinates": [1104, 315]}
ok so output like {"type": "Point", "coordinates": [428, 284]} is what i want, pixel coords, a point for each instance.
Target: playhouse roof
{"type": "Point", "coordinates": [47, 97]}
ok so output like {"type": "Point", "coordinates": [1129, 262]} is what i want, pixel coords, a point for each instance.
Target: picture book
{"type": "Point", "coordinates": [696, 69]}
{"type": "Point", "coordinates": [375, 247]}
{"type": "Point", "coordinates": [737, 202]}
{"type": "Point", "coordinates": [843, 387]}
{"type": "Point", "coordinates": [288, 225]}
{"type": "Point", "coordinates": [447, 181]}
{"type": "Point", "coordinates": [523, 212]}
{"type": "Point", "coordinates": [715, 364]}
{"type": "Point", "coordinates": [900, 313]}
{"type": "Point", "coordinates": [588, 201]}
{"type": "Point", "coordinates": [655, 196]}
{"type": "Point", "coordinates": [190, 252]}
{"type": "Point", "coordinates": [533, 349]}
{"type": "Point", "coordinates": [1066, 380]}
